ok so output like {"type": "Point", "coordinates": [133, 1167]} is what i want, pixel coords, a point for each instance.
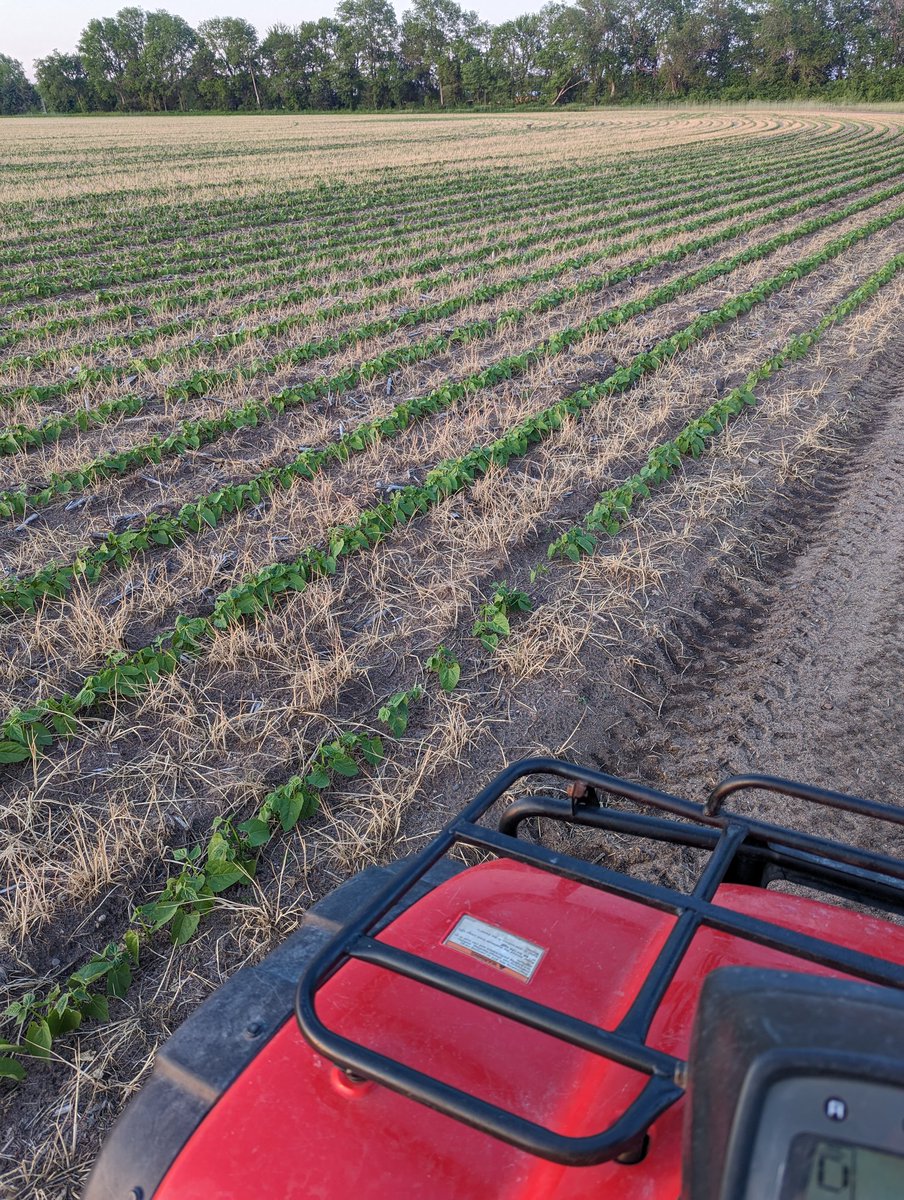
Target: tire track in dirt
{"type": "Point", "coordinates": [791, 660]}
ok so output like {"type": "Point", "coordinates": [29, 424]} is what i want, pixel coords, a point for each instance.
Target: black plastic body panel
{"type": "Point", "coordinates": [757, 1027]}
{"type": "Point", "coordinates": [211, 1049]}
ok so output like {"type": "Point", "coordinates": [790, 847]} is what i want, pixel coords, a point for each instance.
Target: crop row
{"type": "Point", "coordinates": [187, 259]}
{"type": "Point", "coordinates": [866, 172]}
{"type": "Point", "coordinates": [191, 434]}
{"type": "Point", "coordinates": [168, 223]}
{"type": "Point", "coordinates": [615, 504]}
{"type": "Point", "coordinates": [202, 383]}
{"type": "Point", "coordinates": [27, 733]}
{"type": "Point", "coordinates": [228, 858]}
{"type": "Point", "coordinates": [433, 262]}
{"type": "Point", "coordinates": [229, 855]}
{"type": "Point", "coordinates": [548, 197]}
{"type": "Point", "coordinates": [333, 208]}
{"type": "Point", "coordinates": [171, 296]}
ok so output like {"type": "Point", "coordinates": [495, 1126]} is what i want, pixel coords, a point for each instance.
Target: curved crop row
{"type": "Point", "coordinates": [168, 298]}
{"type": "Point", "coordinates": [186, 258]}
{"type": "Point", "coordinates": [266, 248]}
{"type": "Point", "coordinates": [27, 733]}
{"type": "Point", "coordinates": [199, 346]}
{"type": "Point", "coordinates": [319, 203]}
{"type": "Point", "coordinates": [550, 200]}
{"type": "Point", "coordinates": [297, 355]}
{"type": "Point", "coordinates": [332, 211]}
{"type": "Point", "coordinates": [314, 206]}
{"type": "Point", "coordinates": [192, 434]}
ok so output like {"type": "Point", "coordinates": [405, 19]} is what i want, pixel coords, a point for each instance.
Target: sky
{"type": "Point", "coordinates": [30, 30]}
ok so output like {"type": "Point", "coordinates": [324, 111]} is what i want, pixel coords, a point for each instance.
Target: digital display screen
{"type": "Point", "coordinates": [819, 1169]}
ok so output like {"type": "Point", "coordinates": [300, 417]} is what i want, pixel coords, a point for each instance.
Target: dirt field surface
{"type": "Point", "coordinates": [796, 660]}
{"type": "Point", "coordinates": [345, 461]}
{"type": "Point", "coordinates": [784, 656]}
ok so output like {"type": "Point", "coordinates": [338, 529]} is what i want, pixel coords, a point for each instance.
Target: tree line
{"type": "Point", "coordinates": [441, 55]}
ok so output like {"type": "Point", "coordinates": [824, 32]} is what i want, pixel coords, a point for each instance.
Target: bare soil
{"type": "Point", "coordinates": [787, 657]}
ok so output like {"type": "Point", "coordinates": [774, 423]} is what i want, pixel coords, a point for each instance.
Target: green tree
{"type": "Point", "coordinates": [371, 35]}
{"type": "Point", "coordinates": [111, 50]}
{"type": "Point", "coordinates": [889, 21]}
{"type": "Point", "coordinates": [438, 37]}
{"type": "Point", "coordinates": [16, 93]}
{"type": "Point", "coordinates": [325, 39]}
{"type": "Point", "coordinates": [796, 46]}
{"type": "Point", "coordinates": [169, 46]}
{"type": "Point", "coordinates": [284, 66]}
{"type": "Point", "coordinates": [230, 50]}
{"type": "Point", "coordinates": [681, 55]}
{"type": "Point", "coordinates": [301, 65]}
{"type": "Point", "coordinates": [517, 56]}
{"type": "Point", "coordinates": [727, 28]}
{"type": "Point", "coordinates": [63, 84]}
{"type": "Point", "coordinates": [606, 40]}
{"type": "Point", "coordinates": [564, 57]}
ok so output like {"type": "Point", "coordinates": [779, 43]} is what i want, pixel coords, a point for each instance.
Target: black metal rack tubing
{"type": "Point", "coordinates": [849, 856]}
{"type": "Point", "coordinates": [734, 842]}
{"type": "Point", "coordinates": [761, 830]}
{"type": "Point", "coordinates": [626, 1051]}
{"type": "Point", "coordinates": [554, 808]}
{"type": "Point", "coordinates": [639, 1017]}
{"type": "Point", "coordinates": [658, 1095]}
{"type": "Point", "coordinates": [842, 879]}
{"type": "Point", "coordinates": [653, 894]}
{"type": "Point", "coordinates": [802, 791]}
{"type": "Point", "coordinates": [752, 929]}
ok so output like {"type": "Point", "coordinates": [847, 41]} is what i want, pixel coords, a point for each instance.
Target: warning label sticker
{"type": "Point", "coordinates": [491, 944]}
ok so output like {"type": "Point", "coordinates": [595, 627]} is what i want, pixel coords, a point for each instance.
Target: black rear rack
{"type": "Point", "coordinates": [741, 850]}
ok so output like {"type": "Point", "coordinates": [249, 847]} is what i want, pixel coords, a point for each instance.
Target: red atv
{"type": "Point", "coordinates": [542, 1026]}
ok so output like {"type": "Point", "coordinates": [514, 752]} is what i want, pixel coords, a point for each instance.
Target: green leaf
{"type": "Point", "coordinates": [344, 764]}
{"type": "Point", "coordinates": [395, 717]}
{"type": "Point", "coordinates": [13, 752]}
{"type": "Point", "coordinates": [449, 675]}
{"type": "Point", "coordinates": [184, 926]}
{"type": "Point", "coordinates": [291, 802]}
{"type": "Point", "coordinates": [38, 1039]}
{"type": "Point", "coordinates": [119, 980]}
{"type": "Point", "coordinates": [97, 1009]}
{"type": "Point", "coordinates": [256, 831]}
{"type": "Point", "coordinates": [132, 944]}
{"type": "Point", "coordinates": [371, 750]}
{"type": "Point", "coordinates": [93, 970]}
{"type": "Point", "coordinates": [158, 913]}
{"type": "Point", "coordinates": [10, 1069]}
{"type": "Point", "coordinates": [318, 777]}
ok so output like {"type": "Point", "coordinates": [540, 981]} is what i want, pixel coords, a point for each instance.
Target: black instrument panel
{"type": "Point", "coordinates": [828, 1137]}
{"type": "Point", "coordinates": [796, 1089]}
